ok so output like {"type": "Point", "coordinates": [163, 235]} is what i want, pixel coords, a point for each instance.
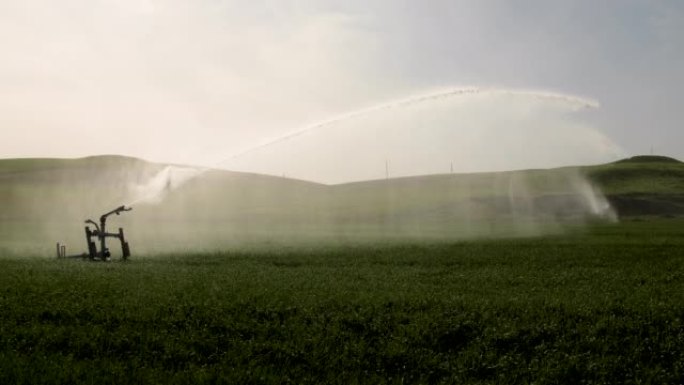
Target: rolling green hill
{"type": "Point", "coordinates": [46, 200]}
{"type": "Point", "coordinates": [642, 185]}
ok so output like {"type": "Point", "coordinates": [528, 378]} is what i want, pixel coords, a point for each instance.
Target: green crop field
{"type": "Point", "coordinates": [598, 302]}
{"type": "Point", "coordinates": [602, 306]}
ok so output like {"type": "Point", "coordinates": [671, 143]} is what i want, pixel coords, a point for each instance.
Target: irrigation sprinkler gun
{"type": "Point", "coordinates": [100, 234]}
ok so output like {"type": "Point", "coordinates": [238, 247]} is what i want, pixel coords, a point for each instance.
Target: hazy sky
{"type": "Point", "coordinates": [196, 81]}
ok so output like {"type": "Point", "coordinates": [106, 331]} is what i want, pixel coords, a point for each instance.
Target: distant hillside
{"type": "Point", "coordinates": [48, 199]}
{"type": "Point", "coordinates": [47, 188]}
{"type": "Point", "coordinates": [649, 159]}
{"type": "Point", "coordinates": [642, 185]}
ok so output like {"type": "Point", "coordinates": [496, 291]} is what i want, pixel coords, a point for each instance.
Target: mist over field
{"type": "Point", "coordinates": [184, 208]}
{"type": "Point", "coordinates": [371, 162]}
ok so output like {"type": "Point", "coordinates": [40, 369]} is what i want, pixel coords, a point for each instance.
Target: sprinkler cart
{"type": "Point", "coordinates": [100, 234]}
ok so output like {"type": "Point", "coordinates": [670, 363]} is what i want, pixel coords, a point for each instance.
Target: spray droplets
{"type": "Point", "coordinates": [158, 186]}
{"type": "Point", "coordinates": [481, 129]}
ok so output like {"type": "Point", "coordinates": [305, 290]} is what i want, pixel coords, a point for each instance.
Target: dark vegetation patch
{"type": "Point", "coordinates": [636, 204]}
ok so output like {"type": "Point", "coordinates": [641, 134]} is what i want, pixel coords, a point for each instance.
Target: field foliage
{"type": "Point", "coordinates": [600, 306]}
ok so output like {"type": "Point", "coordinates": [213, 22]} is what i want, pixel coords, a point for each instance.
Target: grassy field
{"type": "Point", "coordinates": [604, 305]}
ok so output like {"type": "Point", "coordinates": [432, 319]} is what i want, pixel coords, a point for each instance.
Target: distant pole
{"type": "Point", "coordinates": [452, 167]}
{"type": "Point", "coordinates": [386, 169]}
{"type": "Point", "coordinates": [651, 150]}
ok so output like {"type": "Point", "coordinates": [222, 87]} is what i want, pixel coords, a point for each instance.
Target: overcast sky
{"type": "Point", "coordinates": [198, 81]}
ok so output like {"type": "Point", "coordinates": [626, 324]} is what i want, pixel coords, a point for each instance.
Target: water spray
{"type": "Point", "coordinates": [170, 178]}
{"type": "Point", "coordinates": [160, 185]}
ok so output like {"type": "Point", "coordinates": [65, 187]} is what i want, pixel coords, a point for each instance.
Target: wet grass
{"type": "Point", "coordinates": [606, 306]}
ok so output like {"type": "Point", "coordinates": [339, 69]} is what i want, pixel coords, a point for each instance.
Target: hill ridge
{"type": "Point", "coordinates": [649, 159]}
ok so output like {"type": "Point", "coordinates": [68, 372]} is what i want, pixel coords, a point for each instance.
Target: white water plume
{"type": "Point", "coordinates": [594, 199]}
{"type": "Point", "coordinates": [155, 189]}
{"type": "Point", "coordinates": [476, 135]}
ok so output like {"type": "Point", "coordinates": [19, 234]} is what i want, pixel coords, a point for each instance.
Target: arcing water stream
{"type": "Point", "coordinates": [176, 176]}
{"type": "Point", "coordinates": [573, 102]}
{"type": "Point", "coordinates": [501, 128]}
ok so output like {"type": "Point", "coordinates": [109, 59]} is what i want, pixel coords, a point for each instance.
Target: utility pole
{"type": "Point", "coordinates": [452, 167]}
{"type": "Point", "coordinates": [386, 169]}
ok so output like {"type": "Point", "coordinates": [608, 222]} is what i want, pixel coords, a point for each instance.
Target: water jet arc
{"type": "Point", "coordinates": [575, 102]}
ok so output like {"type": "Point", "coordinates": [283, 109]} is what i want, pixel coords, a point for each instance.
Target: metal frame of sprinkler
{"type": "Point", "coordinates": [100, 234]}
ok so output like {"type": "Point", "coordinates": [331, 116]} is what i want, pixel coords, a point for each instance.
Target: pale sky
{"type": "Point", "coordinates": [197, 81]}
